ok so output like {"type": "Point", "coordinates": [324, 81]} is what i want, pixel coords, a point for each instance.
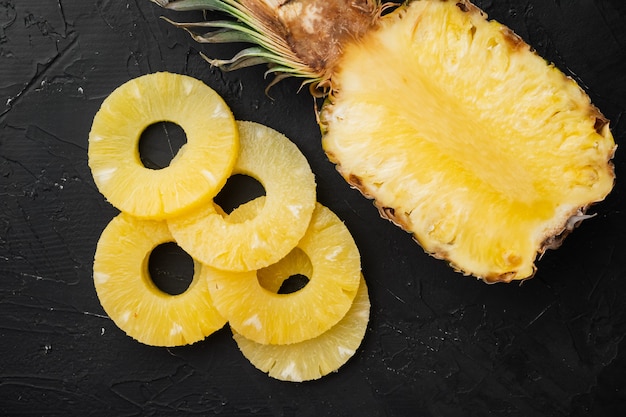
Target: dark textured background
{"type": "Point", "coordinates": [439, 344]}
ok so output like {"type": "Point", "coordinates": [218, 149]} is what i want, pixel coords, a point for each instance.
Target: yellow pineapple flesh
{"type": "Point", "coordinates": [482, 150]}
{"type": "Point", "coordinates": [199, 169]}
{"type": "Point", "coordinates": [264, 316]}
{"type": "Point", "coordinates": [272, 276]}
{"type": "Point", "coordinates": [225, 243]}
{"type": "Point", "coordinates": [132, 300]}
{"type": "Point", "coordinates": [463, 136]}
{"type": "Point", "coordinates": [295, 263]}
{"type": "Point", "coordinates": [313, 358]}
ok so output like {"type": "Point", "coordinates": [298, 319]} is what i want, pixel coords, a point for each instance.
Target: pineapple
{"type": "Point", "coordinates": [250, 302]}
{"type": "Point", "coordinates": [272, 277]}
{"type": "Point", "coordinates": [225, 243]}
{"type": "Point", "coordinates": [314, 358]}
{"type": "Point", "coordinates": [196, 173]}
{"type": "Point", "coordinates": [462, 135]}
{"type": "Point", "coordinates": [134, 302]}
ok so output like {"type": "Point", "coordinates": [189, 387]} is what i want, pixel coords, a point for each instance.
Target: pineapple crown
{"type": "Point", "coordinates": [295, 38]}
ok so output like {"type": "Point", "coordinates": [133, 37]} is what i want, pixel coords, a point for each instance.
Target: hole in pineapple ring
{"type": "Point", "coordinates": [238, 189]}
{"type": "Point", "coordinates": [171, 269]}
{"type": "Point", "coordinates": [289, 275]}
{"type": "Point", "coordinates": [293, 283]}
{"type": "Point", "coordinates": [130, 297]}
{"type": "Point", "coordinates": [159, 143]}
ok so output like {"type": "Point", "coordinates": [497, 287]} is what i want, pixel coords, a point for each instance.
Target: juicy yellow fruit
{"type": "Point", "coordinates": [218, 241]}
{"type": "Point", "coordinates": [133, 301]}
{"type": "Point", "coordinates": [271, 277]}
{"type": "Point", "coordinates": [196, 173]}
{"type": "Point", "coordinates": [266, 317]}
{"type": "Point", "coordinates": [466, 138]}
{"type": "Point", "coordinates": [314, 358]}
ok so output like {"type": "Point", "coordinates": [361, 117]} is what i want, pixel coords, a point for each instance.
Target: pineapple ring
{"type": "Point", "coordinates": [113, 151]}
{"type": "Point", "coordinates": [274, 161]}
{"type": "Point", "coordinates": [134, 302]}
{"type": "Point", "coordinates": [272, 277]}
{"type": "Point", "coordinates": [269, 318]}
{"type": "Point", "coordinates": [314, 358]}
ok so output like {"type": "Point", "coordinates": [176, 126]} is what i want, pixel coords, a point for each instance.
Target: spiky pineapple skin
{"type": "Point", "coordinates": [458, 130]}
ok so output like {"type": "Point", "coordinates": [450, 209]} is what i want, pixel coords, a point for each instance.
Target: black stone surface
{"type": "Point", "coordinates": [438, 344]}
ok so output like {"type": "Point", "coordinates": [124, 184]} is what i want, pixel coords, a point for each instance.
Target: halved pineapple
{"type": "Point", "coordinates": [488, 155]}
{"type": "Point", "coordinates": [133, 301]}
{"type": "Point", "coordinates": [218, 241]}
{"type": "Point", "coordinates": [314, 358]}
{"type": "Point", "coordinates": [464, 137]}
{"type": "Point", "coordinates": [264, 316]}
{"type": "Point", "coordinates": [196, 173]}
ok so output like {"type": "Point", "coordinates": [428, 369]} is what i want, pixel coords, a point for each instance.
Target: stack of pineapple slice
{"type": "Point", "coordinates": [241, 259]}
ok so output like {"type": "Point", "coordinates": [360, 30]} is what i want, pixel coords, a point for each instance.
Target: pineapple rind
{"type": "Point", "coordinates": [266, 317]}
{"type": "Point", "coordinates": [134, 302]}
{"type": "Point", "coordinates": [276, 162]}
{"type": "Point", "coordinates": [466, 138]}
{"type": "Point", "coordinates": [196, 173]}
{"type": "Point", "coordinates": [313, 358]}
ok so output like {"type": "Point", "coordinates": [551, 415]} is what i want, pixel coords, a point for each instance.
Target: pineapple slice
{"type": "Point", "coordinates": [314, 358]}
{"type": "Point", "coordinates": [272, 277]}
{"type": "Point", "coordinates": [133, 301]}
{"type": "Point", "coordinates": [461, 134]}
{"type": "Point", "coordinates": [196, 173]}
{"type": "Point", "coordinates": [284, 172]}
{"type": "Point", "coordinates": [264, 316]}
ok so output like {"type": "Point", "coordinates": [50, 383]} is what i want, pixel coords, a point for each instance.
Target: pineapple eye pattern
{"type": "Point", "coordinates": [244, 258]}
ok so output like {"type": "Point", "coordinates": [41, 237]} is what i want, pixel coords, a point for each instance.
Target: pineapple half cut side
{"type": "Point", "coordinates": [484, 152]}
{"type": "Point", "coordinates": [463, 136]}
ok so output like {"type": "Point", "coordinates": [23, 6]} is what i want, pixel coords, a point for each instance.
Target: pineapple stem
{"type": "Point", "coordinates": [296, 38]}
